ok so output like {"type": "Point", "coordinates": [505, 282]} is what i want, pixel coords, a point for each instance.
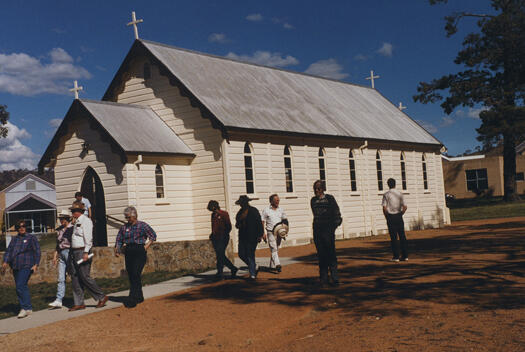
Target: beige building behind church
{"type": "Point", "coordinates": [178, 128]}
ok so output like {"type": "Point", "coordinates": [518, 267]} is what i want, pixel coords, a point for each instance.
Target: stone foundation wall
{"type": "Point", "coordinates": [162, 256]}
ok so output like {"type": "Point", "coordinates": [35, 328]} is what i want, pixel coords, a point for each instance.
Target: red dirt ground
{"type": "Point", "coordinates": [462, 290]}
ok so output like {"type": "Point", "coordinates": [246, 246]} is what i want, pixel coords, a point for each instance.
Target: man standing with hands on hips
{"type": "Point", "coordinates": [134, 239]}
{"type": "Point", "coordinates": [81, 243]}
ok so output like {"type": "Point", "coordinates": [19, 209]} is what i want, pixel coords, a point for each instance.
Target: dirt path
{"type": "Point", "coordinates": [462, 290]}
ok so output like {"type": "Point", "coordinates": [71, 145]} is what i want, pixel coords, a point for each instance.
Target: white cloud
{"type": "Point", "coordinates": [471, 113]}
{"type": "Point", "coordinates": [55, 122]}
{"type": "Point", "coordinates": [287, 25]}
{"type": "Point", "coordinates": [427, 126]}
{"type": "Point", "coordinates": [218, 38]}
{"type": "Point", "coordinates": [22, 74]}
{"type": "Point", "coordinates": [386, 49]}
{"type": "Point", "coordinates": [266, 58]}
{"type": "Point", "coordinates": [328, 68]}
{"type": "Point", "coordinates": [254, 17]}
{"type": "Point", "coordinates": [14, 154]}
{"type": "Point", "coordinates": [360, 57]}
{"type": "Point", "coordinates": [447, 121]}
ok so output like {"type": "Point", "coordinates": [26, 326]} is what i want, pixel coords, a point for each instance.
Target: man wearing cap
{"type": "Point", "coordinates": [136, 237]}
{"type": "Point", "coordinates": [249, 223]}
{"type": "Point", "coordinates": [271, 216]}
{"type": "Point", "coordinates": [220, 237]}
{"type": "Point", "coordinates": [61, 255]}
{"type": "Point", "coordinates": [81, 243]}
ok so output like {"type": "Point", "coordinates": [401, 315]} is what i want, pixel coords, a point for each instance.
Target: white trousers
{"type": "Point", "coordinates": [274, 244]}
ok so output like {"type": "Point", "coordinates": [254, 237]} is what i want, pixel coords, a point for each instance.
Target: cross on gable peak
{"type": "Point", "coordinates": [371, 78]}
{"type": "Point", "coordinates": [134, 23]}
{"type": "Point", "coordinates": [76, 89]}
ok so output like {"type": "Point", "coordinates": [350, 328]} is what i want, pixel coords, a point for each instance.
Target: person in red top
{"type": "Point", "coordinates": [220, 237]}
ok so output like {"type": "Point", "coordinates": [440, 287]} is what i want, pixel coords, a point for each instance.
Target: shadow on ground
{"type": "Point", "coordinates": [483, 269]}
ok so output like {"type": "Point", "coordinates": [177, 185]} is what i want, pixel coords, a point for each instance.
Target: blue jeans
{"type": "Point", "coordinates": [61, 279]}
{"type": "Point", "coordinates": [22, 290]}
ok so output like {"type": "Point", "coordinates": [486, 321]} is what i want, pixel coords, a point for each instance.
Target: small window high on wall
{"type": "Point", "coordinates": [425, 176]}
{"type": "Point", "coordinates": [147, 71]}
{"type": "Point", "coordinates": [159, 181]}
{"type": "Point", "coordinates": [403, 173]}
{"type": "Point", "coordinates": [353, 180]}
{"type": "Point", "coordinates": [288, 169]}
{"type": "Point", "coordinates": [322, 165]}
{"type": "Point", "coordinates": [379, 169]}
{"type": "Point", "coordinates": [248, 168]}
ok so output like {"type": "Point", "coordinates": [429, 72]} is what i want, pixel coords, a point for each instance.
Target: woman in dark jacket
{"type": "Point", "coordinates": [327, 218]}
{"type": "Point", "coordinates": [248, 221]}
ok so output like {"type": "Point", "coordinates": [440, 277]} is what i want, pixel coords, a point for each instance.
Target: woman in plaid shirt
{"type": "Point", "coordinates": [23, 256]}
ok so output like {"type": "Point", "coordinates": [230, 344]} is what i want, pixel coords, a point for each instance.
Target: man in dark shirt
{"type": "Point", "coordinates": [23, 256]}
{"type": "Point", "coordinates": [220, 237]}
{"type": "Point", "coordinates": [327, 218]}
{"type": "Point", "coordinates": [134, 239]}
{"type": "Point", "coordinates": [249, 223]}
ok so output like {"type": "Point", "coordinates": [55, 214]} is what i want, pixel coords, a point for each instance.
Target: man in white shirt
{"type": "Point", "coordinates": [86, 202]}
{"type": "Point", "coordinates": [393, 208]}
{"type": "Point", "coordinates": [81, 243]}
{"type": "Point", "coordinates": [271, 216]}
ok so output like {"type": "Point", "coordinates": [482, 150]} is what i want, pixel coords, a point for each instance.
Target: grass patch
{"type": "Point", "coordinates": [485, 208]}
{"type": "Point", "coordinates": [44, 293]}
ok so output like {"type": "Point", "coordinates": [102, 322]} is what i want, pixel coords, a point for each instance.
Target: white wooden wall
{"type": "Point", "coordinates": [70, 168]}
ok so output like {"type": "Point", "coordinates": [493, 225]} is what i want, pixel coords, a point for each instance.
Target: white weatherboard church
{"type": "Point", "coordinates": [177, 128]}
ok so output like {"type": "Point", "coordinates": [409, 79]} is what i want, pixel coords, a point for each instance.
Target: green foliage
{"type": "Point", "coordinates": [494, 77]}
{"type": "Point", "coordinates": [4, 116]}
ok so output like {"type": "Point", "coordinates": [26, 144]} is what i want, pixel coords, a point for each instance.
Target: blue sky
{"type": "Point", "coordinates": [45, 45]}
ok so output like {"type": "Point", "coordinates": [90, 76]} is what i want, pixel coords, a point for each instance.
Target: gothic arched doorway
{"type": "Point", "coordinates": [92, 189]}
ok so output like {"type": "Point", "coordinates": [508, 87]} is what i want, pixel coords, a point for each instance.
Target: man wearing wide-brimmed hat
{"type": "Point", "coordinates": [82, 241]}
{"type": "Point", "coordinates": [61, 255]}
{"type": "Point", "coordinates": [248, 221]}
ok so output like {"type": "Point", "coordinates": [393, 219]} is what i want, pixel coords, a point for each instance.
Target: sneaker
{"type": "Point", "coordinates": [55, 304]}
{"type": "Point", "coordinates": [279, 268]}
{"type": "Point", "coordinates": [24, 313]}
{"type": "Point", "coordinates": [394, 259]}
{"type": "Point", "coordinates": [404, 259]}
{"type": "Point", "coordinates": [253, 277]}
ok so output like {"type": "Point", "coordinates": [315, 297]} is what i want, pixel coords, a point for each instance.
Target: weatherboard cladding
{"type": "Point", "coordinates": [243, 95]}
{"type": "Point", "coordinates": [136, 128]}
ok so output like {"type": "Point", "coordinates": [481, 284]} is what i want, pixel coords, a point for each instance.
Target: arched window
{"type": "Point", "coordinates": [147, 71]}
{"type": "Point", "coordinates": [379, 171]}
{"type": "Point", "coordinates": [288, 168]}
{"type": "Point", "coordinates": [425, 176]}
{"type": "Point", "coordinates": [159, 181]}
{"type": "Point", "coordinates": [403, 173]}
{"type": "Point", "coordinates": [351, 162]}
{"type": "Point", "coordinates": [322, 166]}
{"type": "Point", "coordinates": [248, 168]}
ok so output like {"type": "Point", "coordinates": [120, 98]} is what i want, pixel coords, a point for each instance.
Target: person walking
{"type": "Point", "coordinates": [86, 202]}
{"type": "Point", "coordinates": [394, 208]}
{"type": "Point", "coordinates": [249, 223]}
{"type": "Point", "coordinates": [327, 218]}
{"type": "Point", "coordinates": [23, 256]}
{"type": "Point", "coordinates": [220, 237]}
{"type": "Point", "coordinates": [81, 243]}
{"type": "Point", "coordinates": [61, 255]}
{"type": "Point", "coordinates": [271, 216]}
{"type": "Point", "coordinates": [134, 239]}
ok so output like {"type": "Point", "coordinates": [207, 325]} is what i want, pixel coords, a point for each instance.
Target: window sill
{"type": "Point", "coordinates": [252, 196]}
{"type": "Point", "coordinates": [427, 192]}
{"type": "Point", "coordinates": [290, 196]}
{"type": "Point", "coordinates": [162, 202]}
{"type": "Point", "coordinates": [355, 194]}
{"type": "Point", "coordinates": [406, 192]}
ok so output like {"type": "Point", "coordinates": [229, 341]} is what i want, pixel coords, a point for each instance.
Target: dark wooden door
{"type": "Point", "coordinates": [92, 189]}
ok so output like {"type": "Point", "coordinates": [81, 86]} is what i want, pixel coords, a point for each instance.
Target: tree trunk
{"type": "Point", "coordinates": [509, 169]}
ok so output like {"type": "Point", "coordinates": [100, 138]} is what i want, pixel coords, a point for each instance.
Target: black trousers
{"type": "Point", "coordinates": [324, 239]}
{"type": "Point", "coordinates": [396, 228]}
{"type": "Point", "coordinates": [219, 245]}
{"type": "Point", "coordinates": [135, 257]}
{"type": "Point", "coordinates": [247, 255]}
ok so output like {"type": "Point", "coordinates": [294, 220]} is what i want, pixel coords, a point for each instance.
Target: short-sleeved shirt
{"type": "Point", "coordinates": [393, 201]}
{"type": "Point", "coordinates": [87, 205]}
{"type": "Point", "coordinates": [272, 217]}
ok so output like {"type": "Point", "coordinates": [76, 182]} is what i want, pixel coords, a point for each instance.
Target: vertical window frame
{"type": "Point", "coordinates": [402, 165]}
{"type": "Point", "coordinates": [379, 171]}
{"type": "Point", "coordinates": [352, 171]}
{"type": "Point", "coordinates": [288, 169]}
{"type": "Point", "coordinates": [160, 185]}
{"type": "Point", "coordinates": [425, 171]}
{"type": "Point", "coordinates": [321, 154]}
{"type": "Point", "coordinates": [249, 169]}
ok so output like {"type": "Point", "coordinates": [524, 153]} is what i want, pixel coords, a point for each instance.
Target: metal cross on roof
{"type": "Point", "coordinates": [401, 107]}
{"type": "Point", "coordinates": [134, 22]}
{"type": "Point", "coordinates": [371, 78]}
{"type": "Point", "coordinates": [76, 89]}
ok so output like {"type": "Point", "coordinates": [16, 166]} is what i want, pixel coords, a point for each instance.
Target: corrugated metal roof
{"type": "Point", "coordinates": [245, 95]}
{"type": "Point", "coordinates": [136, 128]}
